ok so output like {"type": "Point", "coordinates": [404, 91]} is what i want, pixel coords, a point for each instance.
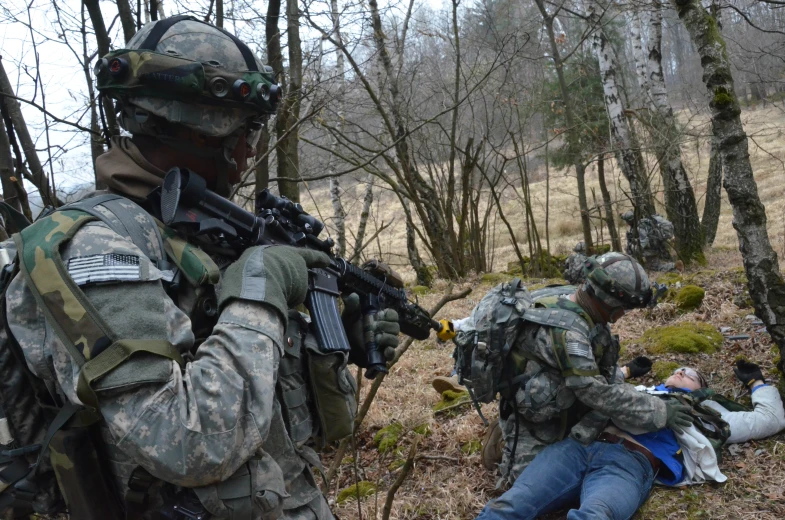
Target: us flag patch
{"type": "Point", "coordinates": [111, 267]}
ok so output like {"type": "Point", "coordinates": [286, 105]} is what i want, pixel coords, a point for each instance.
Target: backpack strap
{"type": "Point", "coordinates": [561, 318]}
{"type": "Point", "coordinates": [94, 347]}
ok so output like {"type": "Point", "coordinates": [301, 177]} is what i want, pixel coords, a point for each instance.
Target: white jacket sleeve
{"type": "Point", "coordinates": [766, 419]}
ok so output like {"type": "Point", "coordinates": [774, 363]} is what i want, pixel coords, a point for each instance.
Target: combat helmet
{"type": "Point", "coordinates": [183, 71]}
{"type": "Point", "coordinates": [618, 280]}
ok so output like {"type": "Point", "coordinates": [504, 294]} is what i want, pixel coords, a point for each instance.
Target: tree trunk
{"type": "Point", "coordinates": [608, 203]}
{"type": "Point", "coordinates": [765, 282]}
{"type": "Point", "coordinates": [339, 217]}
{"type": "Point", "coordinates": [627, 149]}
{"type": "Point", "coordinates": [38, 176]}
{"type": "Point", "coordinates": [126, 19]}
{"type": "Point", "coordinates": [364, 214]}
{"type": "Point", "coordinates": [424, 276]}
{"type": "Point", "coordinates": [680, 204]}
{"type": "Point", "coordinates": [572, 131]}
{"type": "Point", "coordinates": [339, 214]}
{"type": "Point", "coordinates": [219, 13]}
{"type": "Point", "coordinates": [711, 208]}
{"type": "Point", "coordinates": [11, 177]}
{"type": "Point", "coordinates": [289, 111]}
{"type": "Point", "coordinates": [103, 41]}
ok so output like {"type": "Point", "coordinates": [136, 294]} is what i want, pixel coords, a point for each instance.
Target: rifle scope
{"type": "Point", "coordinates": [293, 210]}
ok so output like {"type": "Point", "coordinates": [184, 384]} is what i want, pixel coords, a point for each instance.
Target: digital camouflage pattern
{"type": "Point", "coordinates": [195, 427]}
{"type": "Point", "coordinates": [547, 399]}
{"type": "Point", "coordinates": [626, 272]}
{"type": "Point", "coordinates": [173, 82]}
{"type": "Point", "coordinates": [652, 242]}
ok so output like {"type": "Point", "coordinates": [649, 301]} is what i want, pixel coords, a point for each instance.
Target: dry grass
{"type": "Point", "coordinates": [448, 484]}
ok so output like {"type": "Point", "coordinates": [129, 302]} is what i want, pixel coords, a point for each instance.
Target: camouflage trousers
{"type": "Point", "coordinates": [526, 448]}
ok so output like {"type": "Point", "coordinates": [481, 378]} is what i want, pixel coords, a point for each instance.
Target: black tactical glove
{"type": "Point", "coordinates": [678, 417]}
{"type": "Point", "coordinates": [386, 329]}
{"type": "Point", "coordinates": [747, 372]}
{"type": "Point", "coordinates": [639, 366]}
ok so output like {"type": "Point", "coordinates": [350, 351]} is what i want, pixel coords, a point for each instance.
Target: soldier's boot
{"type": "Point", "coordinates": [442, 384]}
{"type": "Point", "coordinates": [492, 446]}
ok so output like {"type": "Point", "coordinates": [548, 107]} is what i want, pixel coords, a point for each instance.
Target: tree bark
{"type": "Point", "coordinates": [680, 204]}
{"type": "Point", "coordinates": [712, 205]}
{"type": "Point", "coordinates": [289, 112]}
{"type": "Point", "coordinates": [364, 214]}
{"type": "Point", "coordinates": [424, 276]}
{"type": "Point", "coordinates": [765, 282]}
{"type": "Point", "coordinates": [627, 148]}
{"type": "Point", "coordinates": [572, 132]}
{"type": "Point", "coordinates": [126, 19]}
{"type": "Point", "coordinates": [103, 41]}
{"type": "Point", "coordinates": [37, 174]}
{"type": "Point", "coordinates": [608, 203]}
{"type": "Point", "coordinates": [219, 13]}
{"type": "Point", "coordinates": [14, 192]}
{"type": "Point", "coordinates": [339, 214]}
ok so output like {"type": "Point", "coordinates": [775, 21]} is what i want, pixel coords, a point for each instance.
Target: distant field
{"type": "Point", "coordinates": [765, 127]}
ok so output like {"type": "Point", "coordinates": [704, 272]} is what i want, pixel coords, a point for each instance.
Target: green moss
{"type": "Point", "coordinates": [494, 278]}
{"type": "Point", "coordinates": [419, 290]}
{"type": "Point", "coordinates": [546, 283]}
{"type": "Point", "coordinates": [670, 278]}
{"type": "Point", "coordinates": [684, 338]}
{"type": "Point", "coordinates": [387, 438]}
{"type": "Point", "coordinates": [397, 463]}
{"type": "Point", "coordinates": [450, 399]}
{"type": "Point", "coordinates": [423, 429]}
{"type": "Point", "coordinates": [347, 460]}
{"type": "Point", "coordinates": [689, 298]}
{"type": "Point", "coordinates": [722, 98]}
{"type": "Point", "coordinates": [363, 488]}
{"type": "Point", "coordinates": [664, 369]}
{"type": "Point", "coordinates": [472, 447]}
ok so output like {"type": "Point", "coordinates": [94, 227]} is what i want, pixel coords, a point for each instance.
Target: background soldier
{"type": "Point", "coordinates": [652, 242]}
{"type": "Point", "coordinates": [201, 374]}
{"type": "Point", "coordinates": [566, 378]}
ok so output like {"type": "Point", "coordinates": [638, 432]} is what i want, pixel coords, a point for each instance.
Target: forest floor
{"type": "Point", "coordinates": [448, 480]}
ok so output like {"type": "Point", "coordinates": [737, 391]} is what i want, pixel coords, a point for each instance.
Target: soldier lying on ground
{"type": "Point", "coordinates": [613, 476]}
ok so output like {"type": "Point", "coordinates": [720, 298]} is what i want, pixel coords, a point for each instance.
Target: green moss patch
{"type": "Point", "coordinates": [451, 399]}
{"type": "Point", "coordinates": [689, 298]}
{"type": "Point", "coordinates": [664, 369]}
{"type": "Point", "coordinates": [684, 338]}
{"type": "Point", "coordinates": [363, 488]}
{"type": "Point", "coordinates": [670, 278]}
{"type": "Point", "coordinates": [471, 447]}
{"type": "Point", "coordinates": [387, 438]}
{"type": "Point", "coordinates": [397, 463]}
{"type": "Point", "coordinates": [423, 429]}
{"type": "Point", "coordinates": [495, 278]}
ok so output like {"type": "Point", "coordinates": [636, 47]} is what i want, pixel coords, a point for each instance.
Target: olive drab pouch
{"type": "Point", "coordinates": [334, 390]}
{"type": "Point", "coordinates": [292, 386]}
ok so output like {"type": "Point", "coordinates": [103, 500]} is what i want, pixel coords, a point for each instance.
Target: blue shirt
{"type": "Point", "coordinates": [663, 445]}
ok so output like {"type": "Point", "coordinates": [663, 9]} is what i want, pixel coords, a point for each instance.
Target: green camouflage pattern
{"type": "Point", "coordinates": [626, 272]}
{"type": "Point", "coordinates": [40, 261]}
{"type": "Point", "coordinates": [195, 264]}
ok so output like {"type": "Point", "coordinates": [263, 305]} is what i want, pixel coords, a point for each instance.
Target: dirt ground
{"type": "Point", "coordinates": [448, 480]}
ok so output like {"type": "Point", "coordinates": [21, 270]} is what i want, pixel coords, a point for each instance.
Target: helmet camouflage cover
{"type": "Point", "coordinates": [618, 280]}
{"type": "Point", "coordinates": [187, 72]}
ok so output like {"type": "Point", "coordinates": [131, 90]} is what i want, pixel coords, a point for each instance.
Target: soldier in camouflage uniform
{"type": "Point", "coordinates": [566, 379]}
{"type": "Point", "coordinates": [573, 265]}
{"type": "Point", "coordinates": [204, 379]}
{"type": "Point", "coordinates": [651, 244]}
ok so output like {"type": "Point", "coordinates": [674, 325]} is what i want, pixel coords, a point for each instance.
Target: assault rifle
{"type": "Point", "coordinates": [187, 206]}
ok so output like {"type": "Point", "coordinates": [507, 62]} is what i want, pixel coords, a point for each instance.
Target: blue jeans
{"type": "Point", "coordinates": [609, 480]}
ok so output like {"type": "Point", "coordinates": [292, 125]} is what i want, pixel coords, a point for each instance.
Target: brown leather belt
{"type": "Point", "coordinates": [632, 446]}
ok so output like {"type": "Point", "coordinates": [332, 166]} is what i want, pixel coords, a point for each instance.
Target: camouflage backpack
{"type": "Point", "coordinates": [483, 347]}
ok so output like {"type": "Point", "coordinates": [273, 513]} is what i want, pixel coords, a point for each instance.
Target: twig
{"type": "Point", "coordinates": [405, 470]}
{"type": "Point", "coordinates": [54, 117]}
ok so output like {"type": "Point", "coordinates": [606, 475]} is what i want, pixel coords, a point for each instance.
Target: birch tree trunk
{"type": "Point", "coordinates": [713, 202]}
{"type": "Point", "coordinates": [572, 135]}
{"type": "Point", "coordinates": [608, 203]}
{"type": "Point", "coordinates": [627, 148]}
{"type": "Point", "coordinates": [680, 204]}
{"type": "Point", "coordinates": [364, 214]}
{"type": "Point", "coordinates": [37, 174]}
{"type": "Point", "coordinates": [765, 282]}
{"type": "Point", "coordinates": [339, 214]}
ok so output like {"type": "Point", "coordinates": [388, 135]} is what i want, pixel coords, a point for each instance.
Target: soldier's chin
{"type": "Point", "coordinates": [673, 381]}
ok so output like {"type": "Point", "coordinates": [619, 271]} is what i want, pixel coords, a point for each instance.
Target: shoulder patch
{"type": "Point", "coordinates": [580, 349]}
{"type": "Point", "coordinates": [111, 267]}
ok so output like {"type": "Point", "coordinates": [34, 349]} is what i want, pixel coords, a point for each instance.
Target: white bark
{"type": "Point", "coordinates": [641, 68]}
{"type": "Point", "coordinates": [366, 212]}
{"type": "Point", "coordinates": [339, 214]}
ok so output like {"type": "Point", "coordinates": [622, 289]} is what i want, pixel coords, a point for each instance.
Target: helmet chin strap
{"type": "Point", "coordinates": [597, 311]}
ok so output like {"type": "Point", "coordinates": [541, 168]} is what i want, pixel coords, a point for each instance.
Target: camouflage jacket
{"type": "Point", "coordinates": [215, 419]}
{"type": "Point", "coordinates": [549, 388]}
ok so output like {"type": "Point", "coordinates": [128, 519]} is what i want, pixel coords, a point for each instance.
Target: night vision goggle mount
{"type": "Point", "coordinates": [126, 73]}
{"type": "Point", "coordinates": [596, 274]}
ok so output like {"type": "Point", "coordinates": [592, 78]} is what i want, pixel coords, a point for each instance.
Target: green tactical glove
{"type": "Point", "coordinates": [678, 416]}
{"type": "Point", "coordinates": [639, 366]}
{"type": "Point", "coordinates": [386, 330]}
{"type": "Point", "coordinates": [747, 372]}
{"type": "Point", "coordinates": [275, 275]}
